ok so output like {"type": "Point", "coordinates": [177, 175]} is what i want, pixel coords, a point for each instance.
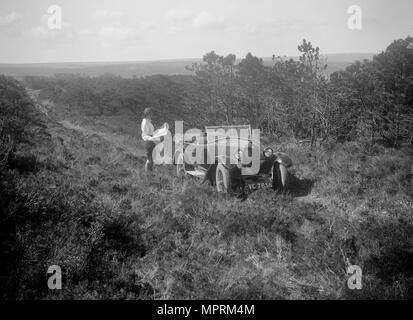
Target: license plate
{"type": "Point", "coordinates": [256, 186]}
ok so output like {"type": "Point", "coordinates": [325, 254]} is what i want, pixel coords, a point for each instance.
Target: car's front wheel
{"type": "Point", "coordinates": [222, 179]}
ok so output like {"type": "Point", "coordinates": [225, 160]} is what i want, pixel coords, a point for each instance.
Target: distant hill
{"type": "Point", "coordinates": [145, 68]}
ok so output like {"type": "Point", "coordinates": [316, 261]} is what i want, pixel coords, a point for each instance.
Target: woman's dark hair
{"type": "Point", "coordinates": [147, 112]}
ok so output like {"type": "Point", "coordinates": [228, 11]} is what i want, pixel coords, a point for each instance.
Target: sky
{"type": "Point", "coordinates": [136, 30]}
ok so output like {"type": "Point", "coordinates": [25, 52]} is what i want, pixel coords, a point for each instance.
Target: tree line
{"type": "Point", "coordinates": [370, 99]}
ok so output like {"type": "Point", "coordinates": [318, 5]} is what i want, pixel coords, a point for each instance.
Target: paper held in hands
{"type": "Point", "coordinates": [161, 132]}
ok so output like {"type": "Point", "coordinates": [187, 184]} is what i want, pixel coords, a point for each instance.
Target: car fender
{"type": "Point", "coordinates": [284, 159]}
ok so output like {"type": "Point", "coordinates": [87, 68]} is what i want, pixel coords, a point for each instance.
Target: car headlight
{"type": "Point", "coordinates": [268, 152]}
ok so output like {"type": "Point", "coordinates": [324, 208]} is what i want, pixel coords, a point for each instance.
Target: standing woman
{"type": "Point", "coordinates": [147, 133]}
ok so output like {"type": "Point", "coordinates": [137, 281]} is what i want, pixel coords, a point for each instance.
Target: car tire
{"type": "Point", "coordinates": [222, 179]}
{"type": "Point", "coordinates": [279, 173]}
{"type": "Point", "coordinates": [180, 165]}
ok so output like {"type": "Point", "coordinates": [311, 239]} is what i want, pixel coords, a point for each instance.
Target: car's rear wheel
{"type": "Point", "coordinates": [222, 179]}
{"type": "Point", "coordinates": [279, 177]}
{"type": "Point", "coordinates": [180, 165]}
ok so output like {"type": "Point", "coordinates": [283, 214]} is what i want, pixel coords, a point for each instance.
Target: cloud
{"type": "Point", "coordinates": [11, 24]}
{"type": "Point", "coordinates": [117, 33]}
{"type": "Point", "coordinates": [10, 19]}
{"type": "Point", "coordinates": [279, 27]}
{"type": "Point", "coordinates": [178, 15]}
{"type": "Point", "coordinates": [208, 20]}
{"type": "Point", "coordinates": [178, 19]}
{"type": "Point", "coordinates": [85, 32]}
{"type": "Point", "coordinates": [44, 33]}
{"type": "Point", "coordinates": [108, 32]}
{"type": "Point", "coordinates": [105, 15]}
{"type": "Point", "coordinates": [113, 30]}
{"type": "Point", "coordinates": [249, 29]}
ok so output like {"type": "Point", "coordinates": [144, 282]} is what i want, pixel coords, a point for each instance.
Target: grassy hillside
{"type": "Point", "coordinates": [77, 188]}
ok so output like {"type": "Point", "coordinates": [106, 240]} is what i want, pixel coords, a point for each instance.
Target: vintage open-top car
{"type": "Point", "coordinates": [225, 169]}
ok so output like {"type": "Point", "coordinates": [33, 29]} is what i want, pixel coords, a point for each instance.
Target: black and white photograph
{"type": "Point", "coordinates": [220, 150]}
